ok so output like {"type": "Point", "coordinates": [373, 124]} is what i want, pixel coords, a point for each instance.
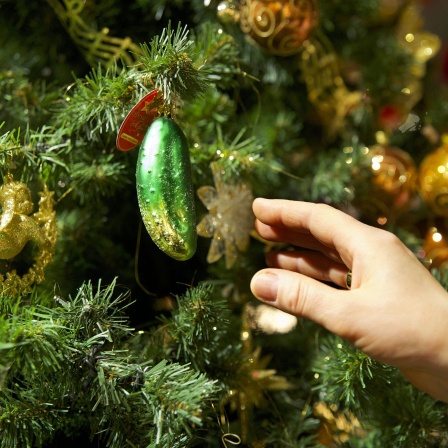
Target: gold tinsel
{"type": "Point", "coordinates": [18, 227]}
{"type": "Point", "coordinates": [97, 46]}
{"type": "Point", "coordinates": [327, 91]}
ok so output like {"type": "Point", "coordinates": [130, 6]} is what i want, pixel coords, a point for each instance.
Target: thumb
{"type": "Point", "coordinates": [300, 295]}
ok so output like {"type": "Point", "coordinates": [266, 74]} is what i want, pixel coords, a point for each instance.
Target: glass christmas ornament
{"type": "Point", "coordinates": [433, 180]}
{"type": "Point", "coordinates": [435, 245]}
{"type": "Point", "coordinates": [165, 190]}
{"type": "Point", "coordinates": [395, 175]}
{"type": "Point", "coordinates": [279, 26]}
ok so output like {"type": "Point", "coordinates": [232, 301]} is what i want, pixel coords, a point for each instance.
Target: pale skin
{"type": "Point", "coordinates": [395, 311]}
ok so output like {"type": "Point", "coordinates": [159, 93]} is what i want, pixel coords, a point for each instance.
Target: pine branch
{"type": "Point", "coordinates": [169, 60]}
{"type": "Point", "coordinates": [27, 153]}
{"type": "Point", "coordinates": [98, 178]}
{"type": "Point", "coordinates": [239, 157]}
{"type": "Point", "coordinates": [200, 319]}
{"type": "Point", "coordinates": [333, 176]}
{"type": "Point", "coordinates": [349, 377]}
{"type": "Point", "coordinates": [218, 55]}
{"type": "Point", "coordinates": [98, 103]}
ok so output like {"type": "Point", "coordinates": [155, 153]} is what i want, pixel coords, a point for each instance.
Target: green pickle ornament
{"type": "Point", "coordinates": [165, 189]}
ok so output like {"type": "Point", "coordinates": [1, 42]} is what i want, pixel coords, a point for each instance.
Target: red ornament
{"type": "Point", "coordinates": [391, 117]}
{"type": "Point", "coordinates": [137, 122]}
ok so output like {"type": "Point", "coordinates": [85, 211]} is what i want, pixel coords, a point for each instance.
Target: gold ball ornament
{"type": "Point", "coordinates": [435, 245]}
{"type": "Point", "coordinates": [433, 180]}
{"type": "Point", "coordinates": [279, 26]}
{"type": "Point", "coordinates": [395, 175]}
{"type": "Point", "coordinates": [18, 227]}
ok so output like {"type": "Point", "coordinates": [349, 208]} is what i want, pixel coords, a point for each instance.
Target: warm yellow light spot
{"type": "Point", "coordinates": [437, 237]}
{"type": "Point", "coordinates": [409, 37]}
{"type": "Point", "coordinates": [316, 375]}
{"type": "Point", "coordinates": [376, 162]}
{"type": "Point", "coordinates": [406, 91]}
{"type": "Point", "coordinates": [427, 51]}
{"type": "Point", "coordinates": [244, 335]}
{"type": "Point", "coordinates": [441, 169]}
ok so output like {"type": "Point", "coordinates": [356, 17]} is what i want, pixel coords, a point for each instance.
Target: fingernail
{"type": "Point", "coordinates": [265, 286]}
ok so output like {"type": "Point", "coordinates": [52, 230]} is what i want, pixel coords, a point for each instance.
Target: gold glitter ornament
{"type": "Point", "coordinates": [97, 46]}
{"type": "Point", "coordinates": [230, 217]}
{"type": "Point", "coordinates": [433, 179]}
{"type": "Point", "coordinates": [337, 426]}
{"type": "Point", "coordinates": [19, 227]}
{"type": "Point", "coordinates": [435, 245]}
{"type": "Point", "coordinates": [279, 26]}
{"type": "Point", "coordinates": [395, 175]}
{"type": "Point", "coordinates": [327, 92]}
{"type": "Point", "coordinates": [422, 46]}
{"type": "Point", "coordinates": [253, 380]}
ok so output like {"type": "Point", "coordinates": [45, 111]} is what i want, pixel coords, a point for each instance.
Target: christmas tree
{"type": "Point", "coordinates": [134, 138]}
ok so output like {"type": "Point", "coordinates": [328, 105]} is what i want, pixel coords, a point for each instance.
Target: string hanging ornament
{"type": "Point", "coordinates": [280, 27]}
{"type": "Point", "coordinates": [96, 46]}
{"type": "Point", "coordinates": [18, 227]}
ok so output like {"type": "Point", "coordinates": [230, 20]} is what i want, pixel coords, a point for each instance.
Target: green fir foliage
{"type": "Point", "coordinates": [123, 346]}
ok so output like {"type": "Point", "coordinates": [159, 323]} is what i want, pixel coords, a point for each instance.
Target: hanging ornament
{"type": "Point", "coordinates": [395, 174]}
{"type": "Point", "coordinates": [421, 46]}
{"type": "Point", "coordinates": [165, 190]}
{"type": "Point", "coordinates": [97, 46]}
{"type": "Point", "coordinates": [433, 179]}
{"type": "Point", "coordinates": [230, 217]}
{"type": "Point", "coordinates": [279, 26]}
{"type": "Point", "coordinates": [337, 426]}
{"type": "Point", "coordinates": [252, 380]}
{"type": "Point", "coordinates": [18, 227]}
{"type": "Point", "coordinates": [391, 117]}
{"type": "Point", "coordinates": [327, 92]}
{"type": "Point", "coordinates": [394, 184]}
{"type": "Point", "coordinates": [435, 246]}
{"type": "Point", "coordinates": [137, 121]}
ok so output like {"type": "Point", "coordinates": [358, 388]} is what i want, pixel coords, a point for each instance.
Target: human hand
{"type": "Point", "coordinates": [395, 311]}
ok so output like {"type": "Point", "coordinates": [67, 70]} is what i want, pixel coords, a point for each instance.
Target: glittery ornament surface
{"type": "Point", "coordinates": [395, 174]}
{"type": "Point", "coordinates": [279, 26]}
{"type": "Point", "coordinates": [18, 227]}
{"type": "Point", "coordinates": [230, 218]}
{"type": "Point", "coordinates": [252, 380]}
{"type": "Point", "coordinates": [433, 180]}
{"type": "Point", "coordinates": [97, 46]}
{"type": "Point", "coordinates": [164, 189]}
{"type": "Point", "coordinates": [326, 88]}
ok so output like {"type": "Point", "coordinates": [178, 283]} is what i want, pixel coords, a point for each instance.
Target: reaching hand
{"type": "Point", "coordinates": [394, 311]}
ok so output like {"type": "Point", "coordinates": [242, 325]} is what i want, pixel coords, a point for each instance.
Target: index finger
{"type": "Point", "coordinates": [329, 226]}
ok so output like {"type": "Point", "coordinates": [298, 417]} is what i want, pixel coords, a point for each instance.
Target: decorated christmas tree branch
{"type": "Point", "coordinates": [171, 67]}
{"type": "Point", "coordinates": [96, 103]}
